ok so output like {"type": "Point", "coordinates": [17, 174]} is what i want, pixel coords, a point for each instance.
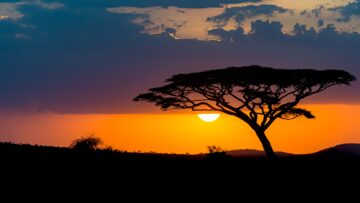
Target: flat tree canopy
{"type": "Point", "coordinates": [257, 95]}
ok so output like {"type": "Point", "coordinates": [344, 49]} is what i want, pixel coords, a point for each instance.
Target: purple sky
{"type": "Point", "coordinates": [93, 56]}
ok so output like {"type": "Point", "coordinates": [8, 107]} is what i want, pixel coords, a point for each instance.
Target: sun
{"type": "Point", "coordinates": [209, 117]}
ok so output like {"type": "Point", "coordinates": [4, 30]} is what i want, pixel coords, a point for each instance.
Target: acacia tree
{"type": "Point", "coordinates": [257, 95]}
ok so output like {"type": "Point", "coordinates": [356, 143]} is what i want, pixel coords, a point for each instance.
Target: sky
{"type": "Point", "coordinates": [64, 60]}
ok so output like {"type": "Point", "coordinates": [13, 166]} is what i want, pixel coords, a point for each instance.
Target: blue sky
{"type": "Point", "coordinates": [94, 56]}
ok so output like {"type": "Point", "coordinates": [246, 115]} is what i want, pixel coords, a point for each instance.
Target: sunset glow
{"type": "Point", "coordinates": [143, 75]}
{"type": "Point", "coordinates": [181, 133]}
{"type": "Point", "coordinates": [209, 117]}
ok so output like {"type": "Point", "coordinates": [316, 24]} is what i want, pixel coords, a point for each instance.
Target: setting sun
{"type": "Point", "coordinates": [209, 117]}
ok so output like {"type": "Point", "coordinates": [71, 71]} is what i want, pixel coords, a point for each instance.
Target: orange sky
{"type": "Point", "coordinates": [181, 133]}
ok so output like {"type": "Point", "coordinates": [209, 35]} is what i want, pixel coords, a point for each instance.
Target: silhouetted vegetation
{"type": "Point", "coordinates": [216, 151]}
{"type": "Point", "coordinates": [26, 152]}
{"type": "Point", "coordinates": [213, 149]}
{"type": "Point", "coordinates": [87, 143]}
{"type": "Point", "coordinates": [257, 95]}
{"type": "Point", "coordinates": [62, 171]}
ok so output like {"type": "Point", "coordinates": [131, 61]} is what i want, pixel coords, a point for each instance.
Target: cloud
{"type": "Point", "coordinates": [90, 60]}
{"type": "Point", "coordinates": [22, 36]}
{"type": "Point", "coordinates": [320, 23]}
{"type": "Point", "coordinates": [229, 36]}
{"type": "Point", "coordinates": [12, 10]}
{"type": "Point", "coordinates": [156, 20]}
{"type": "Point", "coordinates": [267, 30]}
{"type": "Point", "coordinates": [317, 14]}
{"type": "Point", "coordinates": [348, 11]}
{"type": "Point", "coordinates": [151, 3]}
{"type": "Point", "coordinates": [302, 36]}
{"type": "Point", "coordinates": [13, 24]}
{"type": "Point", "coordinates": [239, 14]}
{"type": "Point", "coordinates": [50, 6]}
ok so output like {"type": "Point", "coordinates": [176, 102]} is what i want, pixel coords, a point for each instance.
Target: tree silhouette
{"type": "Point", "coordinates": [257, 95]}
{"type": "Point", "coordinates": [87, 143]}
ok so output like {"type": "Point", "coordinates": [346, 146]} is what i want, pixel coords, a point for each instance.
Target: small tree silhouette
{"type": "Point", "coordinates": [257, 95]}
{"type": "Point", "coordinates": [213, 149]}
{"type": "Point", "coordinates": [216, 151]}
{"type": "Point", "coordinates": [87, 143]}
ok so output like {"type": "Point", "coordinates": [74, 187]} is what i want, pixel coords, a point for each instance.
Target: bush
{"type": "Point", "coordinates": [216, 152]}
{"type": "Point", "coordinates": [87, 143]}
{"type": "Point", "coordinates": [213, 149]}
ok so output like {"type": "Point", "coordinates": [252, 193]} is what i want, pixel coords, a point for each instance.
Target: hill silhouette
{"type": "Point", "coordinates": [253, 153]}
{"type": "Point", "coordinates": [25, 165]}
{"type": "Point", "coordinates": [344, 150]}
{"type": "Point", "coordinates": [26, 152]}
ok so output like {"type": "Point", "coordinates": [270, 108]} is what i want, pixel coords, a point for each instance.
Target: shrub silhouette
{"type": "Point", "coordinates": [216, 152]}
{"type": "Point", "coordinates": [87, 143]}
{"type": "Point", "coordinates": [213, 149]}
{"type": "Point", "coordinates": [256, 95]}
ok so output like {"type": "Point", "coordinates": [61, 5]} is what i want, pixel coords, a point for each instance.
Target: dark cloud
{"type": "Point", "coordinates": [229, 36]}
{"type": "Point", "coordinates": [352, 9]}
{"type": "Point", "coordinates": [92, 61]}
{"type": "Point", "coordinates": [242, 13]}
{"type": "Point", "coordinates": [304, 12]}
{"type": "Point", "coordinates": [317, 11]}
{"type": "Point", "coordinates": [267, 30]}
{"type": "Point", "coordinates": [271, 33]}
{"type": "Point", "coordinates": [149, 3]}
{"type": "Point", "coordinates": [320, 23]}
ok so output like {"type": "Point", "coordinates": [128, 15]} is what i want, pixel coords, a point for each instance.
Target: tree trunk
{"type": "Point", "coordinates": [265, 143]}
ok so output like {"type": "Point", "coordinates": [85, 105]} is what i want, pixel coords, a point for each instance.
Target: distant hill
{"type": "Point", "coordinates": [253, 153]}
{"type": "Point", "coordinates": [352, 150]}
{"type": "Point", "coordinates": [11, 151]}
{"type": "Point", "coordinates": [341, 150]}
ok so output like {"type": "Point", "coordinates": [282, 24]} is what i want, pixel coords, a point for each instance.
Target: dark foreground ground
{"type": "Point", "coordinates": [64, 171]}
